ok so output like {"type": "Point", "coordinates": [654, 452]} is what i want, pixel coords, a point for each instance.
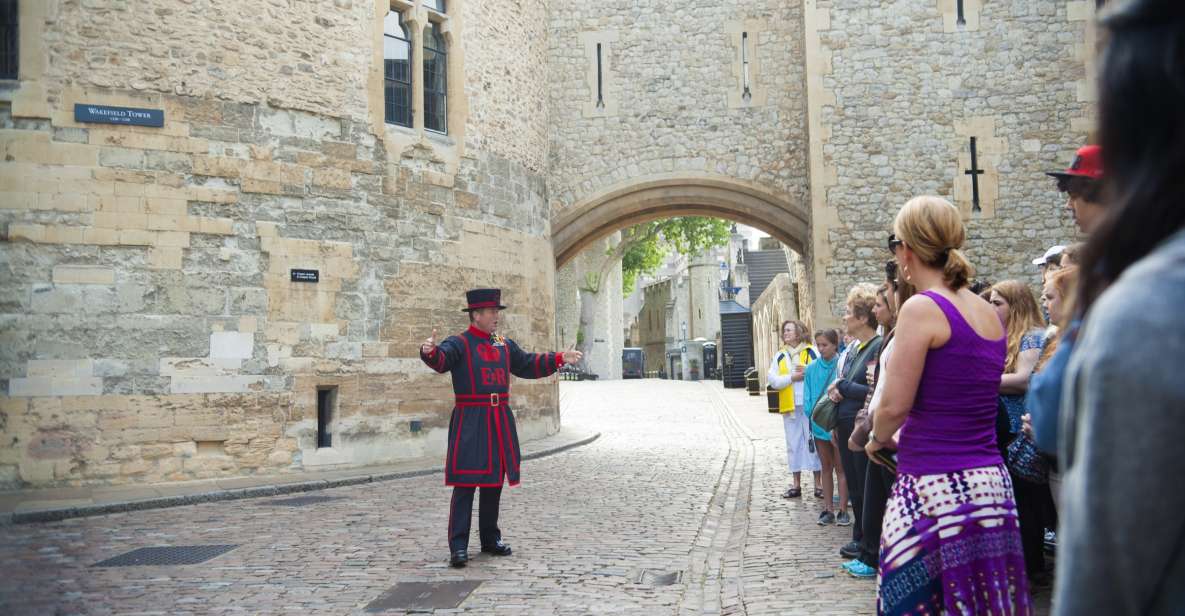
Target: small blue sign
{"type": "Point", "coordinates": [84, 112]}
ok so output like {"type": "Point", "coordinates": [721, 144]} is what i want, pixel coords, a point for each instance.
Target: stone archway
{"type": "Point", "coordinates": [660, 196]}
{"type": "Point", "coordinates": [583, 224]}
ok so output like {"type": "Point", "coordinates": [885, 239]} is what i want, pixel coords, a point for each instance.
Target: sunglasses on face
{"type": "Point", "coordinates": [894, 243]}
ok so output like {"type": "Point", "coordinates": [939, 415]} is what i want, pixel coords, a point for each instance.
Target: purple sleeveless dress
{"type": "Point", "coordinates": [951, 540]}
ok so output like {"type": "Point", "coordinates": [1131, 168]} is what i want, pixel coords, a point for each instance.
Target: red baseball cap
{"type": "Point", "coordinates": [1088, 163]}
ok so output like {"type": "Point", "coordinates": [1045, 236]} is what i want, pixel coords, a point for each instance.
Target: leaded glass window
{"type": "Point", "coordinates": [397, 70]}
{"type": "Point", "coordinates": [435, 80]}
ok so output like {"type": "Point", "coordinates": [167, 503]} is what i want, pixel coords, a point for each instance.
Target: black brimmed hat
{"type": "Point", "coordinates": [483, 298]}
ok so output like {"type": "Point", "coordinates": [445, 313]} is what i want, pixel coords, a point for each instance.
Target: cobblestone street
{"type": "Point", "coordinates": [686, 477]}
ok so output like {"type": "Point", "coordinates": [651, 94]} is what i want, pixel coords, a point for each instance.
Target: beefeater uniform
{"type": "Point", "coordinates": [483, 447]}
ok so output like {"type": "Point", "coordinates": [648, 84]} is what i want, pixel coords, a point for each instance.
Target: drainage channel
{"type": "Point", "coordinates": [713, 580]}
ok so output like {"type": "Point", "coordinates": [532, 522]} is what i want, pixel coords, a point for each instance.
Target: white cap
{"type": "Point", "coordinates": [1056, 250]}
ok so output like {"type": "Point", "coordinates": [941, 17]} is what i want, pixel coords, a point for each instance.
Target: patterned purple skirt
{"type": "Point", "coordinates": [951, 545]}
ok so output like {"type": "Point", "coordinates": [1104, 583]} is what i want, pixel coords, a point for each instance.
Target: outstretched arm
{"type": "Point", "coordinates": [440, 357]}
{"type": "Point", "coordinates": [537, 365]}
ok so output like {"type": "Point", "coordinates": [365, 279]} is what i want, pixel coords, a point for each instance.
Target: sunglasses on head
{"type": "Point", "coordinates": [894, 243]}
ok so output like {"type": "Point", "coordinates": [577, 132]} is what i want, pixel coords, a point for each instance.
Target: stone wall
{"type": "Point", "coordinates": [598, 315]}
{"type": "Point", "coordinates": [653, 323]}
{"type": "Point", "coordinates": [150, 329]}
{"type": "Point", "coordinates": [900, 88]}
{"type": "Point", "coordinates": [671, 85]}
{"type": "Point", "coordinates": [776, 304]}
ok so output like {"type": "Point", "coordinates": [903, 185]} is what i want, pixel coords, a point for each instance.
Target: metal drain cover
{"type": "Point", "coordinates": [424, 596]}
{"type": "Point", "coordinates": [167, 556]}
{"type": "Point", "coordinates": [651, 577]}
{"type": "Point", "coordinates": [301, 501]}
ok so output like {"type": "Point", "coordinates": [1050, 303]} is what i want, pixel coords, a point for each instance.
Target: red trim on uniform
{"type": "Point", "coordinates": [513, 458]}
{"type": "Point", "coordinates": [457, 438]}
{"type": "Point", "coordinates": [439, 359]}
{"type": "Point", "coordinates": [489, 452]}
{"type": "Point", "coordinates": [501, 444]}
{"type": "Point", "coordinates": [477, 332]}
{"type": "Point", "coordinates": [559, 360]}
{"type": "Point", "coordinates": [483, 305]}
{"type": "Point", "coordinates": [477, 485]}
{"type": "Point", "coordinates": [469, 360]}
{"type": "Point", "coordinates": [537, 358]}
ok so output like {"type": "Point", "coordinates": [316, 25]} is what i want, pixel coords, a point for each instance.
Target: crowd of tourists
{"type": "Point", "coordinates": [965, 428]}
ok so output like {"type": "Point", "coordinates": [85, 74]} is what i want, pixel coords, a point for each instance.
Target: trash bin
{"type": "Point", "coordinates": [752, 383]}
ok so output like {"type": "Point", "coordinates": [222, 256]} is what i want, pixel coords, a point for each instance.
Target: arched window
{"type": "Point", "coordinates": [397, 69]}
{"type": "Point", "coordinates": [435, 79]}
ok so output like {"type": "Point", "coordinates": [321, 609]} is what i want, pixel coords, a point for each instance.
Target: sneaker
{"type": "Point", "coordinates": [851, 550]}
{"type": "Point", "coordinates": [850, 564]}
{"type": "Point", "coordinates": [843, 519]}
{"type": "Point", "coordinates": [826, 518]}
{"type": "Point", "coordinates": [861, 570]}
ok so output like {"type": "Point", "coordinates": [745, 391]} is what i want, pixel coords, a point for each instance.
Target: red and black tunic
{"type": "Point", "coordinates": [482, 439]}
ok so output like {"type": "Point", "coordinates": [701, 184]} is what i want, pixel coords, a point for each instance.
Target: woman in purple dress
{"type": "Point", "coordinates": [951, 541]}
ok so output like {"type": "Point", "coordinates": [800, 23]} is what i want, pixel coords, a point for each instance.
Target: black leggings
{"type": "Point", "coordinates": [1036, 512]}
{"type": "Point", "coordinates": [877, 486]}
{"type": "Point", "coordinates": [855, 465]}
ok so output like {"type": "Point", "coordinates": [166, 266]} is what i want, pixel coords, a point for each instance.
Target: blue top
{"type": "Point", "coordinates": [952, 425]}
{"type": "Point", "coordinates": [1045, 392]}
{"type": "Point", "coordinates": [1015, 403]}
{"type": "Point", "coordinates": [819, 374]}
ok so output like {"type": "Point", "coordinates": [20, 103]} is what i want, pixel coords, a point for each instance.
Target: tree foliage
{"type": "Point", "coordinates": [644, 247]}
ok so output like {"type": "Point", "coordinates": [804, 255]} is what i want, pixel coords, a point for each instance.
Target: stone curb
{"type": "Point", "coordinates": [54, 515]}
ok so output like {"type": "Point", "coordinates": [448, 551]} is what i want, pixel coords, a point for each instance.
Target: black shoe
{"type": "Point", "coordinates": [458, 559]}
{"type": "Point", "coordinates": [497, 549]}
{"type": "Point", "coordinates": [851, 550]}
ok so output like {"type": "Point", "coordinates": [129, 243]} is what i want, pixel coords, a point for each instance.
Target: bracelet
{"type": "Point", "coordinates": [872, 435]}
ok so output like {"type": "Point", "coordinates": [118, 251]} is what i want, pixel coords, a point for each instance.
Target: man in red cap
{"type": "Point", "coordinates": [483, 448]}
{"type": "Point", "coordinates": [1082, 182]}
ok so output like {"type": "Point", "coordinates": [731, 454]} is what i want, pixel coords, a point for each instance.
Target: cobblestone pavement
{"type": "Point", "coordinates": [685, 478]}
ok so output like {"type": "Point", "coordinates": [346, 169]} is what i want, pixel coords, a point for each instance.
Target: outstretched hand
{"type": "Point", "coordinates": [429, 344]}
{"type": "Point", "coordinates": [571, 356]}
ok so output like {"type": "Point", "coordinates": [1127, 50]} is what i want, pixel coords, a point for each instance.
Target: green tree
{"type": "Point", "coordinates": [644, 247]}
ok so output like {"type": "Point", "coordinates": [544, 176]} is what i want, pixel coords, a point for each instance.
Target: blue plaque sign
{"type": "Point", "coordinates": [84, 112]}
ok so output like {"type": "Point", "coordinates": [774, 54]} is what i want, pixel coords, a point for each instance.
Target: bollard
{"type": "Point", "coordinates": [771, 398]}
{"type": "Point", "coordinates": [752, 383]}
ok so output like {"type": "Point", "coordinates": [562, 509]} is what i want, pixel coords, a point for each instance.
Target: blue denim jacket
{"type": "Point", "coordinates": [1045, 392]}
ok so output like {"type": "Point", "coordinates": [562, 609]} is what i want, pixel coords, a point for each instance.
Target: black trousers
{"type": "Point", "coordinates": [460, 517]}
{"type": "Point", "coordinates": [855, 465]}
{"type": "Point", "coordinates": [1036, 512]}
{"type": "Point", "coordinates": [877, 485]}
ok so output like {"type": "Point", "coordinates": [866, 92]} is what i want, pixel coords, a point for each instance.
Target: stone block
{"type": "Point", "coordinates": [239, 345]}
{"type": "Point", "coordinates": [55, 386]}
{"type": "Point", "coordinates": [215, 384]}
{"type": "Point", "coordinates": [198, 366]}
{"type": "Point", "coordinates": [121, 157]}
{"type": "Point", "coordinates": [165, 257]}
{"type": "Point", "coordinates": [67, 368]}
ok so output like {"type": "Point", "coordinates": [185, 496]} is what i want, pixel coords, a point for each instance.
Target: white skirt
{"type": "Point", "coordinates": [799, 456]}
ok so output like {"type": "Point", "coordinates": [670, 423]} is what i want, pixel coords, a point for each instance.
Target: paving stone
{"type": "Point", "coordinates": [686, 477]}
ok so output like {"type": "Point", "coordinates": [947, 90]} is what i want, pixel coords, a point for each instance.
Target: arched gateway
{"type": "Point", "coordinates": [660, 196]}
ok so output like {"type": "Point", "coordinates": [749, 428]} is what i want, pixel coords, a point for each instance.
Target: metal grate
{"type": "Point", "coordinates": [424, 596]}
{"type": "Point", "coordinates": [301, 501]}
{"type": "Point", "coordinates": [167, 556]}
{"type": "Point", "coordinates": [651, 577]}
